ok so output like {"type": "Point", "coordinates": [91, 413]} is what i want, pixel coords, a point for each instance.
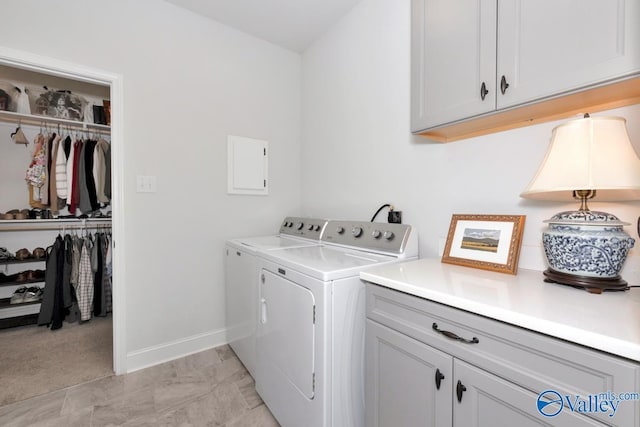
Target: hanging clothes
{"type": "Point", "coordinates": [61, 173]}
{"type": "Point", "coordinates": [85, 281]}
{"type": "Point", "coordinates": [53, 188]}
{"type": "Point", "coordinates": [52, 309]}
{"type": "Point", "coordinates": [106, 274]}
{"type": "Point", "coordinates": [37, 170]}
{"type": "Point", "coordinates": [91, 203]}
{"type": "Point", "coordinates": [46, 306]}
{"type": "Point", "coordinates": [77, 280]}
{"type": "Point", "coordinates": [75, 177]}
{"type": "Point", "coordinates": [100, 170]}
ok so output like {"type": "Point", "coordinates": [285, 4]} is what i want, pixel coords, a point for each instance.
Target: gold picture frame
{"type": "Point", "coordinates": [488, 242]}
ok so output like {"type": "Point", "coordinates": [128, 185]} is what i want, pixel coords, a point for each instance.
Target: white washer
{"type": "Point", "coordinates": [241, 280]}
{"type": "Point", "coordinates": [310, 340]}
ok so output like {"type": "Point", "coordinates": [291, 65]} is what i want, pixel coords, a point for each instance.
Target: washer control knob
{"type": "Point", "coordinates": [316, 228]}
{"type": "Point", "coordinates": [340, 230]}
{"type": "Point", "coordinates": [290, 224]}
{"type": "Point", "coordinates": [388, 235]}
{"type": "Point", "coordinates": [299, 226]}
{"type": "Point", "coordinates": [310, 227]}
{"type": "Point", "coordinates": [356, 231]}
{"type": "Point", "coordinates": [376, 234]}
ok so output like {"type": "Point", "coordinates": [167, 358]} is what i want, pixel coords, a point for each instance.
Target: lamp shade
{"type": "Point", "coordinates": [592, 153]}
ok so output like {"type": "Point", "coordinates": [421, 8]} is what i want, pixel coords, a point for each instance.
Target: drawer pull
{"type": "Point", "coordinates": [453, 336]}
{"type": "Point", "coordinates": [439, 378]}
{"type": "Point", "coordinates": [460, 388]}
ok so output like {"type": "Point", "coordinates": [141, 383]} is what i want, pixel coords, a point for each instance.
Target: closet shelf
{"type": "Point", "coordinates": [21, 261]}
{"type": "Point", "coordinates": [8, 310]}
{"type": "Point", "coordinates": [53, 224]}
{"type": "Point", "coordinates": [30, 119]}
{"type": "Point", "coordinates": [28, 282]}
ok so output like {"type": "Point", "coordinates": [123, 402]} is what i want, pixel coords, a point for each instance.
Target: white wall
{"type": "Point", "coordinates": [188, 83]}
{"type": "Point", "coordinates": [358, 152]}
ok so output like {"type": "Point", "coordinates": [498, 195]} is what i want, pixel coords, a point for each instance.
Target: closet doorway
{"type": "Point", "coordinates": [114, 323]}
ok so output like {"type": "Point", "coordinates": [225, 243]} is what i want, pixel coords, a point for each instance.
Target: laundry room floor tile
{"type": "Point", "coordinates": [208, 388]}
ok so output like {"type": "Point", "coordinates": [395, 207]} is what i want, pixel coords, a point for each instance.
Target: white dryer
{"type": "Point", "coordinates": [241, 279]}
{"type": "Point", "coordinates": [310, 338]}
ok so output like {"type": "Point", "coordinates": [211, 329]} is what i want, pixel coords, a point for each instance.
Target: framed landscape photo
{"type": "Point", "coordinates": [489, 242]}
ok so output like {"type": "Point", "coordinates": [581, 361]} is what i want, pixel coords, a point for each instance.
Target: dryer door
{"type": "Point", "coordinates": [287, 333]}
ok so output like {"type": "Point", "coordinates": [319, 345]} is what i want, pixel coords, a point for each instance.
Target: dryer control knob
{"type": "Point", "coordinates": [299, 226]}
{"type": "Point", "coordinates": [376, 234]}
{"type": "Point", "coordinates": [388, 235]}
{"type": "Point", "coordinates": [310, 227]}
{"type": "Point", "coordinates": [316, 228]}
{"type": "Point", "coordinates": [340, 230]}
{"type": "Point", "coordinates": [356, 231]}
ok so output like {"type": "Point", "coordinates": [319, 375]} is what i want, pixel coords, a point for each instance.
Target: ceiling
{"type": "Point", "coordinates": [292, 24]}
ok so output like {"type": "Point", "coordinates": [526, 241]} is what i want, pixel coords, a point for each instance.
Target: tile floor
{"type": "Point", "coordinates": [211, 388]}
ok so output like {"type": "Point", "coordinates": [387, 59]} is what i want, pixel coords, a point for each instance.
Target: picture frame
{"type": "Point", "coordinates": [488, 242]}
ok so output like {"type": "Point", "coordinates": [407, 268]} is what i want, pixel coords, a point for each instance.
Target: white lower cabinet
{"type": "Point", "coordinates": [428, 364]}
{"type": "Point", "coordinates": [483, 400]}
{"type": "Point", "coordinates": [407, 383]}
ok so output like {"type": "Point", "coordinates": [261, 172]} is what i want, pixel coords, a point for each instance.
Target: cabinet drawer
{"type": "Point", "coordinates": [532, 360]}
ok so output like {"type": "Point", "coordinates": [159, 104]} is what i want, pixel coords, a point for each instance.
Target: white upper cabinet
{"type": "Point", "coordinates": [473, 58]}
{"type": "Point", "coordinates": [547, 47]}
{"type": "Point", "coordinates": [453, 46]}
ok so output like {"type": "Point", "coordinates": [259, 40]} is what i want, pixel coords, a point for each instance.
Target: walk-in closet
{"type": "Point", "coordinates": [56, 245]}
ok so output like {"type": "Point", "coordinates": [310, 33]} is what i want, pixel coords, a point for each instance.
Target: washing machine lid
{"type": "Point", "coordinates": [327, 262]}
{"type": "Point", "coordinates": [270, 243]}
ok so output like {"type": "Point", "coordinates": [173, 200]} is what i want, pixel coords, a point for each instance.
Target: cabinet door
{"type": "Point", "coordinates": [547, 47]}
{"type": "Point", "coordinates": [489, 401]}
{"type": "Point", "coordinates": [400, 381]}
{"type": "Point", "coordinates": [241, 280]}
{"type": "Point", "coordinates": [453, 53]}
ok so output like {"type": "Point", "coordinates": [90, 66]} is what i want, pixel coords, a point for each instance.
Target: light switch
{"type": "Point", "coordinates": [146, 184]}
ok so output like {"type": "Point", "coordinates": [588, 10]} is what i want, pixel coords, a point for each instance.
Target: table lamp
{"type": "Point", "coordinates": [588, 158]}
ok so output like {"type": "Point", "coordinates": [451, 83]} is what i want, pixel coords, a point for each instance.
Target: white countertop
{"type": "Point", "coordinates": [609, 321]}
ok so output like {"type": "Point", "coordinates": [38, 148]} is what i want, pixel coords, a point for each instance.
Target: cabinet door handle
{"type": "Point", "coordinates": [439, 378]}
{"type": "Point", "coordinates": [453, 336]}
{"type": "Point", "coordinates": [503, 84]}
{"type": "Point", "coordinates": [483, 91]}
{"type": "Point", "coordinates": [460, 388]}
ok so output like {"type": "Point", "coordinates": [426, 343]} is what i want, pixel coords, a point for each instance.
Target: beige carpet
{"type": "Point", "coordinates": [35, 360]}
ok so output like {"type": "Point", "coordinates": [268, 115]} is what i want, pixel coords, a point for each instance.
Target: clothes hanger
{"type": "Point", "coordinates": [17, 129]}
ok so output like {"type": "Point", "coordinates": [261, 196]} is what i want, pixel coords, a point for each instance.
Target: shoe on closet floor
{"type": "Point", "coordinates": [18, 295]}
{"type": "Point", "coordinates": [33, 294]}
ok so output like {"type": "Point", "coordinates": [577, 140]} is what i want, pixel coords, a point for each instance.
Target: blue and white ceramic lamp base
{"type": "Point", "coordinates": [586, 249]}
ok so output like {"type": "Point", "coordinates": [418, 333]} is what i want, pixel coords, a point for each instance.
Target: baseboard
{"type": "Point", "coordinates": [166, 352]}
